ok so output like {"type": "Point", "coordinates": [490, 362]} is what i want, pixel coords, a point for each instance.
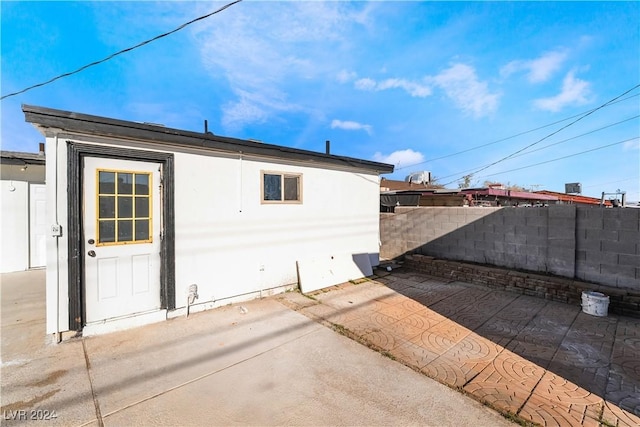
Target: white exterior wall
{"type": "Point", "coordinates": [16, 186]}
{"type": "Point", "coordinates": [14, 226]}
{"type": "Point", "coordinates": [37, 225]}
{"type": "Point", "coordinates": [226, 241]}
{"type": "Point", "coordinates": [57, 275]}
{"type": "Point", "coordinates": [229, 243]}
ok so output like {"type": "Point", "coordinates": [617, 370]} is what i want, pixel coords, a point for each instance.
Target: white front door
{"type": "Point", "coordinates": [121, 231]}
{"type": "Point", "coordinates": [37, 225]}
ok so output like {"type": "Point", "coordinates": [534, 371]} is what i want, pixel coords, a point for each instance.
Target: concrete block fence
{"type": "Point", "coordinates": [590, 244]}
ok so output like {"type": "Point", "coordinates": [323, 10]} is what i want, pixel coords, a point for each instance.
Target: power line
{"type": "Point", "coordinates": [512, 136]}
{"type": "Point", "coordinates": [553, 133]}
{"type": "Point", "coordinates": [84, 67]}
{"type": "Point", "coordinates": [523, 154]}
{"type": "Point", "coordinates": [577, 136]}
{"type": "Point", "coordinates": [563, 157]}
{"type": "Point", "coordinates": [551, 145]}
{"type": "Point", "coordinates": [610, 182]}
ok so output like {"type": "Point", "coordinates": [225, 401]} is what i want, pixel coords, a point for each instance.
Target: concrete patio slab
{"type": "Point", "coordinates": [262, 364]}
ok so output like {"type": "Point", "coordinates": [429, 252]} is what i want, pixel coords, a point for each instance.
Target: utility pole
{"type": "Point", "coordinates": [615, 203]}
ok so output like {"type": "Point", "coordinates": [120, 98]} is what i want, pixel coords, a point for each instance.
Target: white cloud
{"type": "Point", "coordinates": [345, 76]}
{"type": "Point", "coordinates": [365, 84]}
{"type": "Point", "coordinates": [461, 85]}
{"type": "Point", "coordinates": [236, 114]}
{"type": "Point", "coordinates": [542, 68]}
{"type": "Point", "coordinates": [350, 125]}
{"type": "Point", "coordinates": [538, 70]}
{"type": "Point", "coordinates": [459, 82]}
{"type": "Point", "coordinates": [632, 145]}
{"type": "Point", "coordinates": [399, 158]}
{"type": "Point", "coordinates": [266, 48]}
{"type": "Point", "coordinates": [414, 89]}
{"type": "Point", "coordinates": [574, 92]}
{"type": "Point", "coordinates": [254, 107]}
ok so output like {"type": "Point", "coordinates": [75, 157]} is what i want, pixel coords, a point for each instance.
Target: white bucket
{"type": "Point", "coordinates": [595, 303]}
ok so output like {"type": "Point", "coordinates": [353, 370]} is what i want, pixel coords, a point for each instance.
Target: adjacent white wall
{"type": "Point", "coordinates": [19, 248]}
{"type": "Point", "coordinates": [14, 226]}
{"type": "Point", "coordinates": [22, 246]}
{"type": "Point", "coordinates": [37, 225]}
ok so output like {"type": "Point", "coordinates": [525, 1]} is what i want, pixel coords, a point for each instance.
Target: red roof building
{"type": "Point", "coordinates": [575, 198]}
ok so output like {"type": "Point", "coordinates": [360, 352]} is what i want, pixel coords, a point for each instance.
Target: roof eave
{"type": "Point", "coordinates": [18, 157]}
{"type": "Point", "coordinates": [45, 118]}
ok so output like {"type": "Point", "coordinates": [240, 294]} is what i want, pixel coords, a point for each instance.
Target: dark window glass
{"type": "Point", "coordinates": [291, 188]}
{"type": "Point", "coordinates": [125, 181]}
{"type": "Point", "coordinates": [272, 187]}
{"type": "Point", "coordinates": [142, 229]}
{"type": "Point", "coordinates": [107, 182]}
{"type": "Point", "coordinates": [107, 232]}
{"type": "Point", "coordinates": [142, 184]}
{"type": "Point", "coordinates": [142, 207]}
{"type": "Point", "coordinates": [125, 230]}
{"type": "Point", "coordinates": [107, 207]}
{"type": "Point", "coordinates": [125, 207]}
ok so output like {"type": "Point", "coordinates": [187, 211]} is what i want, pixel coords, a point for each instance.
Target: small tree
{"type": "Point", "coordinates": [466, 181]}
{"type": "Point", "coordinates": [509, 186]}
{"type": "Point", "coordinates": [515, 187]}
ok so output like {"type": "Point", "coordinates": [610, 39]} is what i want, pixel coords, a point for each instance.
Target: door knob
{"type": "Point", "coordinates": [92, 253]}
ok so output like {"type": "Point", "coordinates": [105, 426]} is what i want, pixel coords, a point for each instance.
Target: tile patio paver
{"type": "Point", "coordinates": [506, 382]}
{"type": "Point", "coordinates": [464, 361]}
{"type": "Point", "coordinates": [616, 416]}
{"type": "Point", "coordinates": [541, 337]}
{"type": "Point", "coordinates": [584, 355]}
{"type": "Point", "coordinates": [509, 322]}
{"type": "Point", "coordinates": [623, 386]}
{"type": "Point", "coordinates": [560, 399]}
{"type": "Point", "coordinates": [544, 361]}
{"type": "Point", "coordinates": [423, 320]}
{"type": "Point", "coordinates": [414, 355]}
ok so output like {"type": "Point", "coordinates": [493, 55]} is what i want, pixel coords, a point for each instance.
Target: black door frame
{"type": "Point", "coordinates": [76, 152]}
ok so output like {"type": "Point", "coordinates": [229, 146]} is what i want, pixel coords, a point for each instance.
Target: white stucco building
{"type": "Point", "coordinates": [139, 213]}
{"type": "Point", "coordinates": [23, 211]}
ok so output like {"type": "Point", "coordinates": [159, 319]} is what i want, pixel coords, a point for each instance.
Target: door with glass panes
{"type": "Point", "coordinates": [121, 231]}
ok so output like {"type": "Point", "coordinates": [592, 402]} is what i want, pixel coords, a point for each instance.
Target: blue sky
{"type": "Point", "coordinates": [448, 87]}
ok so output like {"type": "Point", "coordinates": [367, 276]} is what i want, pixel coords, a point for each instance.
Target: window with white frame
{"type": "Point", "coordinates": [280, 187]}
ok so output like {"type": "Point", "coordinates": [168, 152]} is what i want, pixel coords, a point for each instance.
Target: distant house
{"type": "Point", "coordinates": [496, 196]}
{"type": "Point", "coordinates": [575, 199]}
{"type": "Point", "coordinates": [144, 220]}
{"type": "Point", "coordinates": [387, 185]}
{"type": "Point", "coordinates": [23, 225]}
{"type": "Point", "coordinates": [403, 193]}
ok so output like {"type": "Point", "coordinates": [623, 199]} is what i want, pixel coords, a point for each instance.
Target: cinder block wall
{"type": "Point", "coordinates": [608, 246]}
{"type": "Point", "coordinates": [621, 301]}
{"type": "Point", "coordinates": [587, 243]}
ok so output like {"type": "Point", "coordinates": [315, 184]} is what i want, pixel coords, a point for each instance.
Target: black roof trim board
{"type": "Point", "coordinates": [19, 157]}
{"type": "Point", "coordinates": [101, 126]}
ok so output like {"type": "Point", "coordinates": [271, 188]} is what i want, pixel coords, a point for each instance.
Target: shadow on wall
{"type": "Point", "coordinates": [592, 244]}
